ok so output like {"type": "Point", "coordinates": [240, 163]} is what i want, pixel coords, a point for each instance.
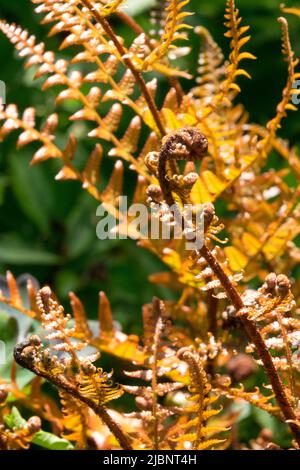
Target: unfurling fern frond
{"type": "Point", "coordinates": [188, 343]}
{"type": "Point", "coordinates": [197, 431]}
{"type": "Point", "coordinates": [55, 323]}
{"type": "Point", "coordinates": [158, 354]}
{"type": "Point", "coordinates": [92, 382]}
{"type": "Point", "coordinates": [72, 374]}
{"type": "Point", "coordinates": [272, 310]}
{"type": "Point", "coordinates": [20, 437]}
{"type": "Point", "coordinates": [96, 385]}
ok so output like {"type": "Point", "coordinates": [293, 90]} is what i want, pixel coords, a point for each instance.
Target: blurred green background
{"type": "Point", "coordinates": [48, 227]}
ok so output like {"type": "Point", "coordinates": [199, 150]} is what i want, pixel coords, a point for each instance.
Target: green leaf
{"type": "Point", "coordinates": [15, 251]}
{"type": "Point", "coordinates": [243, 409]}
{"type": "Point", "coordinates": [32, 190]}
{"type": "Point", "coordinates": [8, 327]}
{"type": "Point", "coordinates": [14, 419]}
{"type": "Point", "coordinates": [51, 442]}
{"type": "Point", "coordinates": [9, 330]}
{"type": "Point", "coordinates": [43, 439]}
{"type": "Point", "coordinates": [81, 227]}
{"type": "Point", "coordinates": [265, 420]}
{"type": "Point", "coordinates": [3, 185]}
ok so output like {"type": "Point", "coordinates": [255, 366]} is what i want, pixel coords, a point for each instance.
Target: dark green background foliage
{"type": "Point", "coordinates": [48, 227]}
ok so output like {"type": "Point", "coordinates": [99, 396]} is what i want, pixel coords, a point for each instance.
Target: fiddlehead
{"type": "Point", "coordinates": [187, 144]}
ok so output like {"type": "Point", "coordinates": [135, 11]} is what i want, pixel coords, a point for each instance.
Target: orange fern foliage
{"type": "Point", "coordinates": [236, 301]}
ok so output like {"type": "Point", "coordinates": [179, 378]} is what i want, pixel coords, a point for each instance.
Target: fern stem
{"type": "Point", "coordinates": [212, 327]}
{"type": "Point", "coordinates": [137, 75]}
{"type": "Point", "coordinates": [256, 338]}
{"type": "Point", "coordinates": [61, 382]}
{"type": "Point", "coordinates": [113, 427]}
{"type": "Point", "coordinates": [198, 379]}
{"type": "Point", "coordinates": [288, 355]}
{"type": "Point", "coordinates": [43, 302]}
{"type": "Point", "coordinates": [175, 83]}
{"type": "Point", "coordinates": [157, 306]}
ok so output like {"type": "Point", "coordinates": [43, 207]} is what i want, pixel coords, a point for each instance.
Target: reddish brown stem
{"type": "Point", "coordinates": [212, 313]}
{"type": "Point", "coordinates": [157, 308]}
{"type": "Point", "coordinates": [127, 61]}
{"type": "Point", "coordinates": [61, 382]}
{"type": "Point", "coordinates": [139, 30]}
{"type": "Point", "coordinates": [212, 326]}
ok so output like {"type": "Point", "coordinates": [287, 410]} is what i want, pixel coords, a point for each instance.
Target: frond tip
{"type": "Point", "coordinates": [236, 33]}
{"type": "Point", "coordinates": [291, 11]}
{"type": "Point", "coordinates": [285, 104]}
{"type": "Point", "coordinates": [107, 7]}
{"type": "Point", "coordinates": [172, 31]}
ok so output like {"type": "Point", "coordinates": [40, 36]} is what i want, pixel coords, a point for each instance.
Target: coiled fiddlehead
{"type": "Point", "coordinates": [187, 144]}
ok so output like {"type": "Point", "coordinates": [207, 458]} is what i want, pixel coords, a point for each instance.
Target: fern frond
{"type": "Point", "coordinates": [255, 398]}
{"type": "Point", "coordinates": [57, 72]}
{"type": "Point", "coordinates": [291, 11]}
{"type": "Point", "coordinates": [285, 104]}
{"type": "Point", "coordinates": [197, 431]}
{"type": "Point", "coordinates": [97, 385]}
{"type": "Point", "coordinates": [211, 66]}
{"type": "Point", "coordinates": [153, 413]}
{"type": "Point", "coordinates": [224, 161]}
{"type": "Point", "coordinates": [236, 33]}
{"type": "Point", "coordinates": [25, 123]}
{"type": "Point", "coordinates": [271, 310]}
{"type": "Point", "coordinates": [14, 298]}
{"type": "Point", "coordinates": [173, 27]}
{"type": "Point", "coordinates": [75, 415]}
{"type": "Point", "coordinates": [55, 322]}
{"type": "Point", "coordinates": [107, 7]}
{"type": "Point", "coordinates": [72, 374]}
